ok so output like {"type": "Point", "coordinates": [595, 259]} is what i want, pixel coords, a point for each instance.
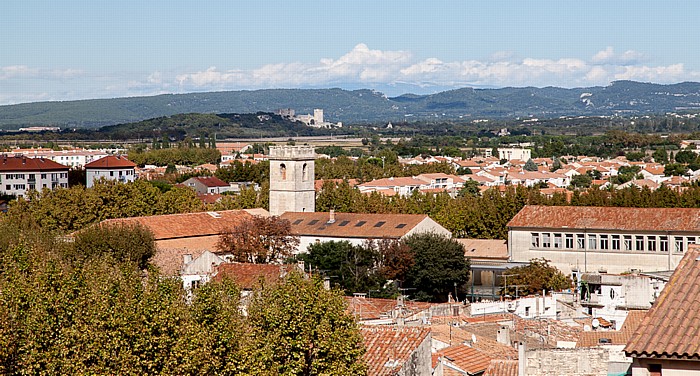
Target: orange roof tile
{"type": "Point", "coordinates": [247, 276]}
{"type": "Point", "coordinates": [614, 337]}
{"type": "Point", "coordinates": [353, 225]}
{"type": "Point", "coordinates": [467, 358]}
{"type": "Point", "coordinates": [186, 225]}
{"type": "Point", "coordinates": [211, 181]}
{"type": "Point", "coordinates": [376, 308]}
{"type": "Point", "coordinates": [671, 329]}
{"type": "Point", "coordinates": [111, 161]}
{"type": "Point", "coordinates": [10, 164]}
{"type": "Point", "coordinates": [485, 248]}
{"type": "Point", "coordinates": [502, 367]}
{"type": "Point", "coordinates": [388, 348]}
{"type": "Point", "coordinates": [608, 218]}
{"type": "Point", "coordinates": [393, 182]}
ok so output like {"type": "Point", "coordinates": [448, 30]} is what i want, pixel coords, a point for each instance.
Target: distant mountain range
{"type": "Point", "coordinates": [357, 106]}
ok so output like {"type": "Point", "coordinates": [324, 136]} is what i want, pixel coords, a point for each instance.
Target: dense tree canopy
{"type": "Point", "coordinates": [66, 210]}
{"type": "Point", "coordinates": [439, 268]}
{"type": "Point", "coordinates": [299, 328]}
{"type": "Point", "coordinates": [538, 275]}
{"type": "Point", "coordinates": [259, 240]}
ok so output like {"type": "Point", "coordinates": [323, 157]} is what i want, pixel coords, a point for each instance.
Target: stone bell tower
{"type": "Point", "coordinates": [292, 179]}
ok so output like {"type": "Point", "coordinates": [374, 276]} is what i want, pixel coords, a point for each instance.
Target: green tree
{"type": "Point", "coordinates": [581, 181]}
{"type": "Point", "coordinates": [299, 328]}
{"type": "Point", "coordinates": [686, 156]}
{"type": "Point", "coordinates": [439, 266]}
{"type": "Point", "coordinates": [124, 243]}
{"type": "Point", "coordinates": [672, 169]}
{"type": "Point", "coordinates": [538, 275]}
{"type": "Point", "coordinates": [350, 267]}
{"type": "Point", "coordinates": [660, 156]}
{"type": "Point", "coordinates": [530, 165]}
{"type": "Point", "coordinates": [470, 188]}
{"type": "Point", "coordinates": [259, 240]}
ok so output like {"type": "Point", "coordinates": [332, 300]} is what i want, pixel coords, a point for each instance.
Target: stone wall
{"type": "Point", "coordinates": [567, 362]}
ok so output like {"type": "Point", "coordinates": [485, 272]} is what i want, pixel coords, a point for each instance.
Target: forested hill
{"type": "Point", "coordinates": [620, 97]}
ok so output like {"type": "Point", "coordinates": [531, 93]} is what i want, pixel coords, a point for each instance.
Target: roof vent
{"type": "Point", "coordinates": [214, 214]}
{"type": "Point", "coordinates": [331, 218]}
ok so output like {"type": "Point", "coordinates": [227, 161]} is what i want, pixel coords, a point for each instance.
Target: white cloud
{"type": "Point", "coordinates": [609, 56]}
{"type": "Point", "coordinates": [360, 67]}
{"type": "Point", "coordinates": [24, 72]}
{"type": "Point", "coordinates": [365, 66]}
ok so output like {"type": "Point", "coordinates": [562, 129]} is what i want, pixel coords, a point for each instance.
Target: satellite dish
{"type": "Point", "coordinates": [595, 323]}
{"type": "Point", "coordinates": [586, 328]}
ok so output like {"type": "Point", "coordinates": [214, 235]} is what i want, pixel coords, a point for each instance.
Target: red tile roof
{"type": "Point", "coordinates": [211, 181]}
{"type": "Point", "coordinates": [671, 329]}
{"type": "Point", "coordinates": [173, 226]}
{"type": "Point", "coordinates": [614, 337]}
{"type": "Point", "coordinates": [376, 308]}
{"type": "Point", "coordinates": [608, 218]}
{"type": "Point", "coordinates": [502, 367]}
{"type": "Point", "coordinates": [10, 164]}
{"type": "Point", "coordinates": [388, 348]}
{"type": "Point", "coordinates": [466, 358]}
{"type": "Point", "coordinates": [209, 198]}
{"type": "Point", "coordinates": [485, 248]}
{"type": "Point", "coordinates": [111, 161]}
{"type": "Point", "coordinates": [353, 225]}
{"type": "Point", "coordinates": [247, 276]}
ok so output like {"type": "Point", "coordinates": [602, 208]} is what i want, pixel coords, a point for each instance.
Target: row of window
{"type": "Point", "coordinates": [22, 187]}
{"type": "Point", "coordinates": [651, 243]}
{"type": "Point", "coordinates": [54, 176]}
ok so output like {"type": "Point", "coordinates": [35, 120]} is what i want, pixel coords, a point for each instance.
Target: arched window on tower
{"type": "Point", "coordinates": [283, 171]}
{"type": "Point", "coordinates": [304, 173]}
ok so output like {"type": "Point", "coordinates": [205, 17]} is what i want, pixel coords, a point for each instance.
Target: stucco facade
{"type": "Point", "coordinates": [292, 179]}
{"type": "Point", "coordinates": [646, 367]}
{"type": "Point", "coordinates": [583, 250]}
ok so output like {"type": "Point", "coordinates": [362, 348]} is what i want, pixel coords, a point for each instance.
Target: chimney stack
{"type": "Point", "coordinates": [332, 216]}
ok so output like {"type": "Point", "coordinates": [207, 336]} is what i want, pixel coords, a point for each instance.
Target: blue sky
{"type": "Point", "coordinates": [64, 50]}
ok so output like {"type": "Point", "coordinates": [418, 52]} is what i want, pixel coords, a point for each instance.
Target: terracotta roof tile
{"type": "Point", "coordinates": [614, 337]}
{"type": "Point", "coordinates": [671, 329]}
{"type": "Point", "coordinates": [466, 358]}
{"type": "Point", "coordinates": [485, 248]}
{"type": "Point", "coordinates": [374, 308]}
{"type": "Point", "coordinates": [388, 348]}
{"type": "Point", "coordinates": [353, 225]}
{"type": "Point", "coordinates": [111, 161]}
{"type": "Point", "coordinates": [9, 164]}
{"type": "Point", "coordinates": [209, 198]}
{"type": "Point", "coordinates": [211, 181]}
{"type": "Point", "coordinates": [393, 182]}
{"type": "Point", "coordinates": [608, 218]}
{"type": "Point", "coordinates": [247, 276]}
{"type": "Point", "coordinates": [502, 367]}
{"type": "Point", "coordinates": [186, 225]}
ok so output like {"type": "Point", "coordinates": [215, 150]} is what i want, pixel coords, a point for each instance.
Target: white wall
{"type": "Point", "coordinates": [587, 259]}
{"type": "Point", "coordinates": [126, 175]}
{"type": "Point", "coordinates": [20, 186]}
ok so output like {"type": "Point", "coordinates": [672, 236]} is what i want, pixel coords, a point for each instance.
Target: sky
{"type": "Point", "coordinates": [70, 49]}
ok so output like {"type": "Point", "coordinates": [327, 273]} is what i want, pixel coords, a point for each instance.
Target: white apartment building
{"type": "Point", "coordinates": [514, 153]}
{"type": "Point", "coordinates": [19, 174]}
{"type": "Point", "coordinates": [73, 158]}
{"type": "Point", "coordinates": [110, 168]}
{"type": "Point", "coordinates": [610, 239]}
